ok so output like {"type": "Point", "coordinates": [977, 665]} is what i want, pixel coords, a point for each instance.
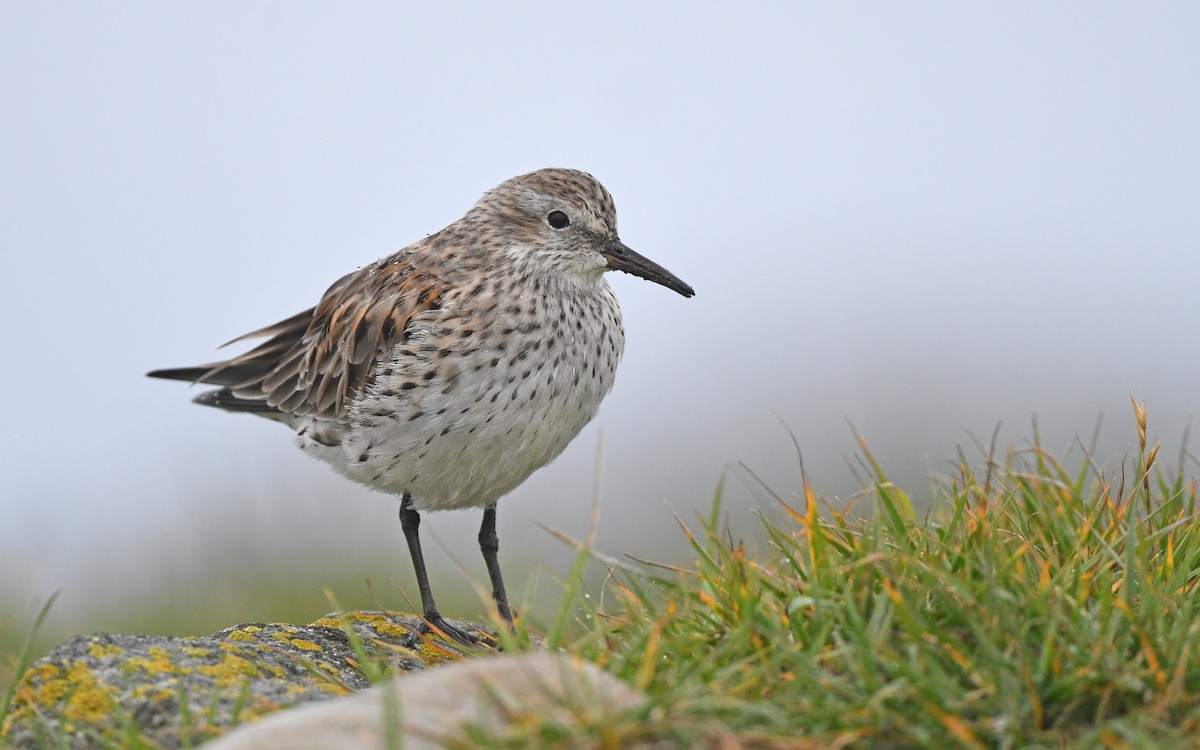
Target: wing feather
{"type": "Point", "coordinates": [315, 362]}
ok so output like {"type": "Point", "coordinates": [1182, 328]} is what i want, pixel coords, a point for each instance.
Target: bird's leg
{"type": "Point", "coordinates": [410, 522]}
{"type": "Point", "coordinates": [489, 544]}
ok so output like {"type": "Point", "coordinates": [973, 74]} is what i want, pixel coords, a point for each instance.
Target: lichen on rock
{"type": "Point", "coordinates": [95, 690]}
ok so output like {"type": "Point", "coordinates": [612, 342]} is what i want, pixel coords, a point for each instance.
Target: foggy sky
{"type": "Point", "coordinates": [921, 219]}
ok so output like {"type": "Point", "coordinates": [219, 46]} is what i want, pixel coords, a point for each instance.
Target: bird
{"type": "Point", "coordinates": [449, 371]}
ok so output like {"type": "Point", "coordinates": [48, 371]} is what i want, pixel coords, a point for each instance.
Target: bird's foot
{"type": "Point", "coordinates": [433, 623]}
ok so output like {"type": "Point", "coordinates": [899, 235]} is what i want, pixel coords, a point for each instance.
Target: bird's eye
{"type": "Point", "coordinates": [558, 220]}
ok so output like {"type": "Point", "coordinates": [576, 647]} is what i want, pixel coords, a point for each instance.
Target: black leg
{"type": "Point", "coordinates": [410, 522]}
{"type": "Point", "coordinates": [489, 544]}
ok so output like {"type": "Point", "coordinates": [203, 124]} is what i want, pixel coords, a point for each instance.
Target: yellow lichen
{"type": "Point", "coordinates": [157, 661]}
{"type": "Point", "coordinates": [98, 651]}
{"type": "Point", "coordinates": [154, 693]}
{"type": "Point", "coordinates": [231, 670]}
{"type": "Point", "coordinates": [50, 692]}
{"type": "Point", "coordinates": [46, 671]}
{"type": "Point", "coordinates": [304, 645]}
{"type": "Point", "coordinates": [87, 700]}
{"type": "Point", "coordinates": [348, 617]}
{"type": "Point", "coordinates": [230, 648]}
{"type": "Point", "coordinates": [391, 629]}
{"type": "Point", "coordinates": [40, 686]}
{"type": "Point", "coordinates": [245, 633]}
{"type": "Point", "coordinates": [431, 653]}
{"type": "Point", "coordinates": [80, 673]}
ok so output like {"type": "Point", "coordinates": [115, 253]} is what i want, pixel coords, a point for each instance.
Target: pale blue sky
{"type": "Point", "coordinates": [925, 218]}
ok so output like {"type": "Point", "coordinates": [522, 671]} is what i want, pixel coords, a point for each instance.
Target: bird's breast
{"type": "Point", "coordinates": [472, 403]}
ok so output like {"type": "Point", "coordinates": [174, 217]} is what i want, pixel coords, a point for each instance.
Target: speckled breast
{"type": "Point", "coordinates": [483, 400]}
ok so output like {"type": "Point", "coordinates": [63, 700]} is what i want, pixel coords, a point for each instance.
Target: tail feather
{"type": "Point", "coordinates": [242, 376]}
{"type": "Point", "coordinates": [224, 398]}
{"type": "Point", "coordinates": [190, 374]}
{"type": "Point", "coordinates": [240, 372]}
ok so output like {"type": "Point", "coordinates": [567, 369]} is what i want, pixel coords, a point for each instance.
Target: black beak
{"type": "Point", "coordinates": [621, 258]}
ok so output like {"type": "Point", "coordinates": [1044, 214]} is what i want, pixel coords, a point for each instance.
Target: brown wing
{"type": "Point", "coordinates": [316, 361]}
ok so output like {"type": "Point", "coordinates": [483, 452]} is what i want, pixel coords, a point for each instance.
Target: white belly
{"type": "Point", "coordinates": [487, 418]}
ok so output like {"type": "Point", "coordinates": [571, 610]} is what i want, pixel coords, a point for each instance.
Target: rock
{"type": "Point", "coordinates": [99, 690]}
{"type": "Point", "coordinates": [424, 711]}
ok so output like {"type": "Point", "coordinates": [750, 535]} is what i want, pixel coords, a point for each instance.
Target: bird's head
{"type": "Point", "coordinates": [562, 222]}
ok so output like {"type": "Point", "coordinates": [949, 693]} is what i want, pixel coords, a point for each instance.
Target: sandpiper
{"type": "Point", "coordinates": [450, 371]}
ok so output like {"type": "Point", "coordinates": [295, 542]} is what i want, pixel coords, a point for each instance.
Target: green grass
{"type": "Point", "coordinates": [1037, 603]}
{"type": "Point", "coordinates": [1034, 605]}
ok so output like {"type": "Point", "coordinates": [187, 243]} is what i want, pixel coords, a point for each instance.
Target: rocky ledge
{"type": "Point", "coordinates": [103, 690]}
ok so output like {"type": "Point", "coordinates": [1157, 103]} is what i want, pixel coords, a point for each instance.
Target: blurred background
{"type": "Point", "coordinates": [924, 220]}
